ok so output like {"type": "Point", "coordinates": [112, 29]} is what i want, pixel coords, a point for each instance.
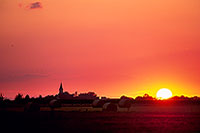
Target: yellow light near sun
{"type": "Point", "coordinates": [164, 93]}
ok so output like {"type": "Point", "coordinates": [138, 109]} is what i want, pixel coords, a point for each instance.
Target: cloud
{"type": "Point", "coordinates": [35, 5]}
{"type": "Point", "coordinates": [21, 77]}
{"type": "Point", "coordinates": [31, 76]}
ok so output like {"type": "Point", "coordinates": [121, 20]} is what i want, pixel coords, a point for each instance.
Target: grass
{"type": "Point", "coordinates": [134, 108]}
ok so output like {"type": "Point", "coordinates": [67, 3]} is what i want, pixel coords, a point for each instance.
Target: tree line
{"type": "Point", "coordinates": [20, 100]}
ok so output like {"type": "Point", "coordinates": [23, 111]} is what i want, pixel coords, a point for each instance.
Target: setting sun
{"type": "Point", "coordinates": [164, 93]}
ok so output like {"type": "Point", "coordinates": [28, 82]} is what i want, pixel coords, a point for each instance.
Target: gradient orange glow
{"type": "Point", "coordinates": [112, 47]}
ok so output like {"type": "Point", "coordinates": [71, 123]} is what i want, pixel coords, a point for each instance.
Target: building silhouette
{"type": "Point", "coordinates": [82, 96]}
{"type": "Point", "coordinates": [64, 95]}
{"type": "Point", "coordinates": [61, 89]}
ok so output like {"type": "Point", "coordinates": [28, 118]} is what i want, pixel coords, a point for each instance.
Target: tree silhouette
{"type": "Point", "coordinates": [138, 98]}
{"type": "Point", "coordinates": [27, 98]}
{"type": "Point", "coordinates": [1, 97]}
{"type": "Point", "coordinates": [19, 98]}
{"type": "Point", "coordinates": [147, 97]}
{"type": "Point", "coordinates": [40, 97]}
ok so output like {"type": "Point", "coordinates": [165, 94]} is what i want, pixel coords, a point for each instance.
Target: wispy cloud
{"type": "Point", "coordinates": [35, 5]}
{"type": "Point", "coordinates": [21, 77]}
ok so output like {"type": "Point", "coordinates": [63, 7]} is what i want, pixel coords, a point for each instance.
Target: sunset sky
{"type": "Point", "coordinates": [111, 47]}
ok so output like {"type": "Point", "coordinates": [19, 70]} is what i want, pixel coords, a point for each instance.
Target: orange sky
{"type": "Point", "coordinates": [112, 47]}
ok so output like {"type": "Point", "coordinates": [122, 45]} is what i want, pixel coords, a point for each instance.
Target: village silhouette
{"type": "Point", "coordinates": [90, 99]}
{"type": "Point", "coordinates": [86, 112]}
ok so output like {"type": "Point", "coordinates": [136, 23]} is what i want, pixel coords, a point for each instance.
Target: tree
{"type": "Point", "coordinates": [147, 97]}
{"type": "Point", "coordinates": [138, 98]}
{"type": "Point", "coordinates": [1, 97]}
{"type": "Point", "coordinates": [40, 97]}
{"type": "Point", "coordinates": [18, 97]}
{"type": "Point", "coordinates": [27, 98]}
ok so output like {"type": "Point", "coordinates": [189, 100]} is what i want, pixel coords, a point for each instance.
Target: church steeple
{"type": "Point", "coordinates": [61, 89]}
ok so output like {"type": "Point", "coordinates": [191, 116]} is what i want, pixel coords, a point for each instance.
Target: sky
{"type": "Point", "coordinates": [111, 47]}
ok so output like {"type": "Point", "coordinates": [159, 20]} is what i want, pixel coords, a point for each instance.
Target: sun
{"type": "Point", "coordinates": [164, 93]}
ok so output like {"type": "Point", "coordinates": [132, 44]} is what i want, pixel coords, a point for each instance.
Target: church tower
{"type": "Point", "coordinates": [61, 89]}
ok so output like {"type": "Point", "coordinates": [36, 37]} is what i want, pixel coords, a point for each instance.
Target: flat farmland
{"type": "Point", "coordinates": [88, 119]}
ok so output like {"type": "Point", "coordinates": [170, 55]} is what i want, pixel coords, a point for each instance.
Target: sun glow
{"type": "Point", "coordinates": [164, 93]}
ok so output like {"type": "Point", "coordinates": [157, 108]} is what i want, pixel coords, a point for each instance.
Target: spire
{"type": "Point", "coordinates": [61, 89]}
{"type": "Point", "coordinates": [61, 85]}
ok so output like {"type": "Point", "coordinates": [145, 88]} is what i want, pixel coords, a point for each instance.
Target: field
{"type": "Point", "coordinates": [79, 119]}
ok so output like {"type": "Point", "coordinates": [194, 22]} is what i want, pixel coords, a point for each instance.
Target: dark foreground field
{"type": "Point", "coordinates": [61, 121]}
